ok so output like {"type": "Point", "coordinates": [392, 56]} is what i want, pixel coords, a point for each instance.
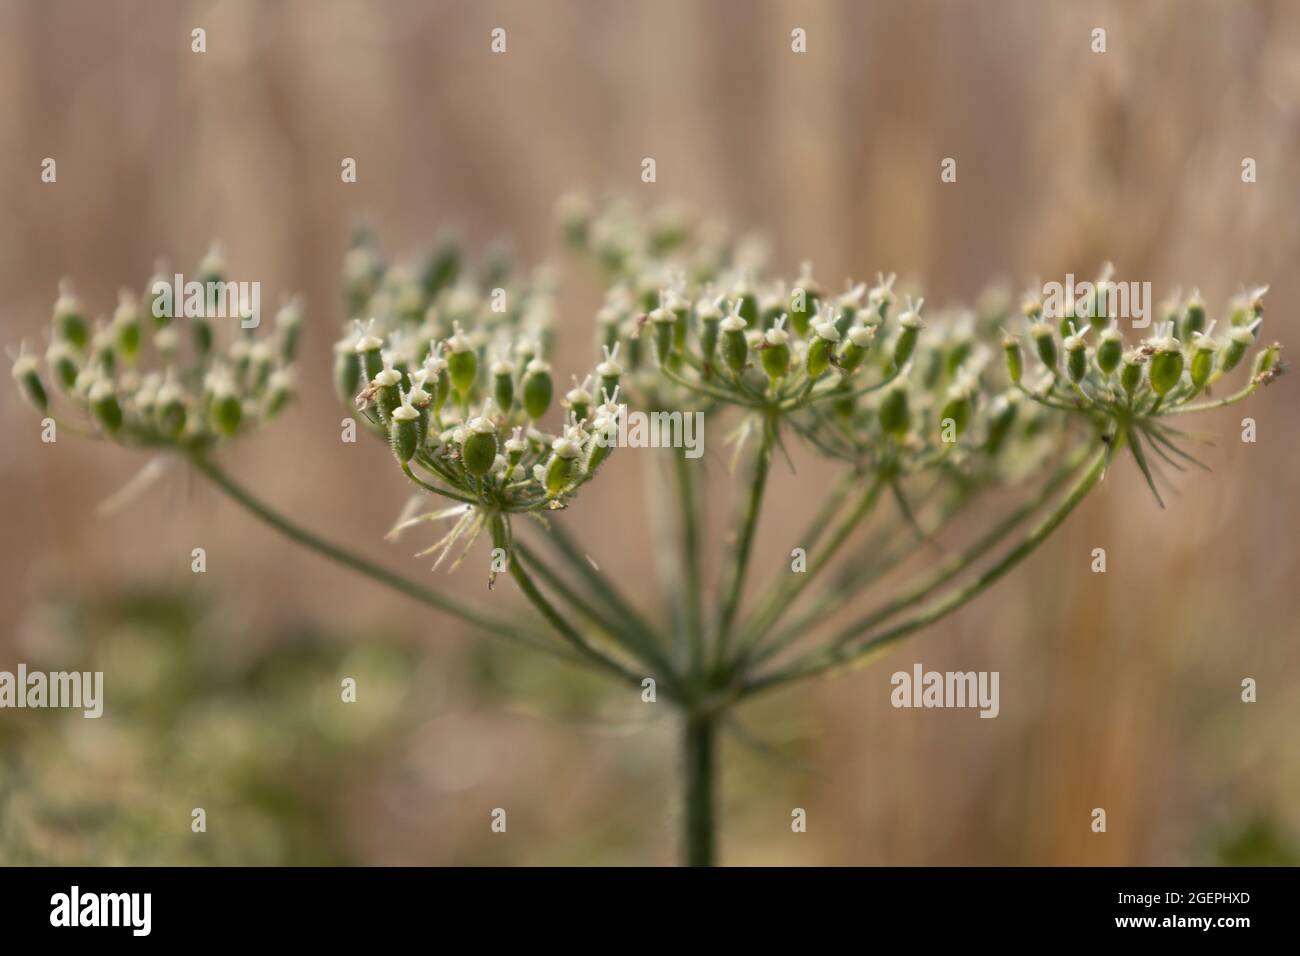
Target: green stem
{"type": "Point", "coordinates": [780, 599]}
{"type": "Point", "coordinates": [699, 773]}
{"type": "Point", "coordinates": [689, 539]}
{"type": "Point", "coordinates": [501, 539]}
{"type": "Point", "coordinates": [346, 558]}
{"type": "Point", "coordinates": [843, 652]}
{"type": "Point", "coordinates": [745, 541]}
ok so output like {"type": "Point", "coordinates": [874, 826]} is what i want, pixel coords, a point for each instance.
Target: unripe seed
{"type": "Point", "coordinates": [775, 353]}
{"type": "Point", "coordinates": [855, 349]}
{"type": "Point", "coordinates": [1194, 319]}
{"type": "Point", "coordinates": [480, 448]}
{"type": "Point", "coordinates": [662, 319]}
{"type": "Point", "coordinates": [1001, 417]}
{"type": "Point", "coordinates": [105, 406]}
{"type": "Point", "coordinates": [503, 384]}
{"type": "Point", "coordinates": [1076, 355]}
{"type": "Point", "coordinates": [170, 406]}
{"type": "Point", "coordinates": [895, 415]}
{"type": "Point", "coordinates": [1015, 358]}
{"type": "Point", "coordinates": [1240, 340]}
{"type": "Point", "coordinates": [1166, 368]}
{"type": "Point", "coordinates": [735, 348]}
{"type": "Point", "coordinates": [1130, 376]}
{"type": "Point", "coordinates": [1110, 350]}
{"type": "Point", "coordinates": [1045, 344]}
{"type": "Point", "coordinates": [909, 331]}
{"type": "Point", "coordinates": [559, 470]}
{"type": "Point", "coordinates": [820, 350]}
{"type": "Point", "coordinates": [126, 325]}
{"type": "Point", "coordinates": [403, 432]}
{"type": "Point", "coordinates": [537, 389]}
{"type": "Point", "coordinates": [1203, 358]}
{"type": "Point", "coordinates": [957, 409]}
{"type": "Point", "coordinates": [69, 323]}
{"type": "Point", "coordinates": [369, 349]}
{"type": "Point", "coordinates": [462, 363]}
{"type": "Point", "coordinates": [227, 412]}
{"type": "Point", "coordinates": [59, 358]}
{"type": "Point", "coordinates": [610, 371]}
{"type": "Point", "coordinates": [29, 382]}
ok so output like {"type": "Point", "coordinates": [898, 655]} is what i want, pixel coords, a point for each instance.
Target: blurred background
{"type": "Point", "coordinates": [1119, 690]}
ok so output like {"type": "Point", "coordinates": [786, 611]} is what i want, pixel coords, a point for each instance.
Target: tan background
{"type": "Point", "coordinates": [1119, 691]}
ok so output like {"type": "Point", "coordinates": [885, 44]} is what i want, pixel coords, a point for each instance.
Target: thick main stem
{"type": "Point", "coordinates": [699, 774]}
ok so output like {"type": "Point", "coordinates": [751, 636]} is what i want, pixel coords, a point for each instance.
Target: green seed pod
{"type": "Point", "coordinates": [279, 389]}
{"type": "Point", "coordinates": [1045, 344]}
{"type": "Point", "coordinates": [560, 468]}
{"type": "Point", "coordinates": [404, 432]}
{"type": "Point", "coordinates": [369, 348]}
{"type": "Point", "coordinates": [1015, 358]}
{"type": "Point", "coordinates": [735, 347]}
{"type": "Point", "coordinates": [847, 307]}
{"type": "Point", "coordinates": [462, 364]}
{"type": "Point", "coordinates": [1203, 358]}
{"type": "Point", "coordinates": [503, 384]}
{"type": "Point", "coordinates": [1076, 355]}
{"type": "Point", "coordinates": [385, 389]}
{"type": "Point", "coordinates": [957, 409]}
{"type": "Point", "coordinates": [709, 314]}
{"type": "Point", "coordinates": [227, 412]}
{"type": "Point", "coordinates": [804, 298]}
{"type": "Point", "coordinates": [662, 320]}
{"type": "Point", "coordinates": [537, 389]}
{"type": "Point", "coordinates": [104, 406]}
{"type": "Point", "coordinates": [895, 415]}
{"type": "Point", "coordinates": [855, 349]}
{"type": "Point", "coordinates": [1193, 318]}
{"type": "Point", "coordinates": [745, 303]}
{"type": "Point", "coordinates": [775, 352]}
{"type": "Point", "coordinates": [435, 370]}
{"type": "Point", "coordinates": [909, 330]}
{"type": "Point", "coordinates": [60, 359]}
{"type": "Point", "coordinates": [170, 408]}
{"type": "Point", "coordinates": [578, 399]}
{"type": "Point", "coordinates": [1166, 367]}
{"type": "Point", "coordinates": [820, 351]}
{"type": "Point", "coordinates": [288, 323]}
{"type": "Point", "coordinates": [958, 354]}
{"type": "Point", "coordinates": [1110, 350]}
{"type": "Point", "coordinates": [1266, 360]}
{"type": "Point", "coordinates": [514, 447]}
{"type": "Point", "coordinates": [126, 325]}
{"type": "Point", "coordinates": [1240, 339]}
{"type": "Point", "coordinates": [1130, 375]}
{"type": "Point", "coordinates": [201, 330]}
{"type": "Point", "coordinates": [29, 382]}
{"type": "Point", "coordinates": [1002, 415]}
{"type": "Point", "coordinates": [770, 308]}
{"type": "Point", "coordinates": [610, 371]}
{"type": "Point", "coordinates": [69, 322]}
{"type": "Point", "coordinates": [347, 370]}
{"type": "Point", "coordinates": [480, 448]}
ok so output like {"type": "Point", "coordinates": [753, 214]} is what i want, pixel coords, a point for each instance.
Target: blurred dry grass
{"type": "Point", "coordinates": [1118, 691]}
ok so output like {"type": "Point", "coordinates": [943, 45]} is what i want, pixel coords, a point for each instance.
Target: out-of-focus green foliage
{"type": "Point", "coordinates": [261, 740]}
